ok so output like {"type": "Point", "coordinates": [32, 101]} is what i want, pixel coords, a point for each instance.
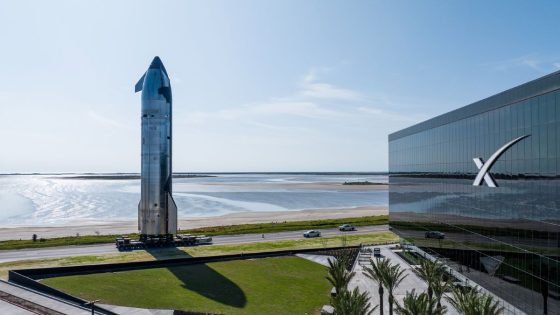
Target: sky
{"type": "Point", "coordinates": [257, 85]}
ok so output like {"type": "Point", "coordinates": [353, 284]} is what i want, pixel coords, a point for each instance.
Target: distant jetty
{"type": "Point", "coordinates": [363, 183]}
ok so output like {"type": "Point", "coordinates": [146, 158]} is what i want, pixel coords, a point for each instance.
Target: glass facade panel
{"type": "Point", "coordinates": [516, 225]}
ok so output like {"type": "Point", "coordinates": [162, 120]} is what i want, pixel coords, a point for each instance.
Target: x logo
{"type": "Point", "coordinates": [488, 179]}
{"type": "Point", "coordinates": [484, 168]}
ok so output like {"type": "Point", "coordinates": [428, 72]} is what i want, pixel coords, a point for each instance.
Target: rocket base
{"type": "Point", "coordinates": [156, 239]}
{"type": "Point", "coordinates": [151, 241]}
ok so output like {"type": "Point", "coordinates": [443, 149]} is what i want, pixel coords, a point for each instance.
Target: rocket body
{"type": "Point", "coordinates": [157, 211]}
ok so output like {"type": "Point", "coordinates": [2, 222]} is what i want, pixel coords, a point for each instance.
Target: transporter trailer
{"type": "Point", "coordinates": [125, 243]}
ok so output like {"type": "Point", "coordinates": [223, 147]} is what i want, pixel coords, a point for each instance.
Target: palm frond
{"type": "Point", "coordinates": [473, 302]}
{"type": "Point", "coordinates": [419, 304]}
{"type": "Point", "coordinates": [352, 303]}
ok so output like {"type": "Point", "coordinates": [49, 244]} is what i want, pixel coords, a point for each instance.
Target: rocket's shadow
{"type": "Point", "coordinates": [202, 279]}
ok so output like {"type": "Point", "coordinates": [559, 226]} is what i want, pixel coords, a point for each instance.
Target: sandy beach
{"type": "Point", "coordinates": [130, 226]}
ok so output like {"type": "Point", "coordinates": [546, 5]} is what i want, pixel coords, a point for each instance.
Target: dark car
{"type": "Point", "coordinates": [435, 234]}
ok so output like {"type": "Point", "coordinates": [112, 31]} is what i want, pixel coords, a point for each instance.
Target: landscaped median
{"type": "Point", "coordinates": [200, 251]}
{"type": "Point", "coordinates": [257, 228]}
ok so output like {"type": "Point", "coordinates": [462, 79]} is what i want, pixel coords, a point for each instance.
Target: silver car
{"type": "Point", "coordinates": [312, 233]}
{"type": "Point", "coordinates": [346, 227]}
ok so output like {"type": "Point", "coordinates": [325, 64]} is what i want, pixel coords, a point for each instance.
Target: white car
{"type": "Point", "coordinates": [203, 240]}
{"type": "Point", "coordinates": [346, 227]}
{"type": "Point", "coordinates": [312, 233]}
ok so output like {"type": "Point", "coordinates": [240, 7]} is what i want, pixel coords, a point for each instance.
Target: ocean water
{"type": "Point", "coordinates": [56, 199]}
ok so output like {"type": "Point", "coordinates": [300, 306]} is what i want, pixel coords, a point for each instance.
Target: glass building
{"type": "Point", "coordinates": [442, 198]}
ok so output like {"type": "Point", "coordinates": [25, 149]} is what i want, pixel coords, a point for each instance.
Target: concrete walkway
{"type": "Point", "coordinates": [320, 259]}
{"type": "Point", "coordinates": [410, 282]}
{"type": "Point", "coordinates": [45, 301]}
{"type": "Point", "coordinates": [7, 308]}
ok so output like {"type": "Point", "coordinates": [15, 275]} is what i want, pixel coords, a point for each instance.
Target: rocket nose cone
{"type": "Point", "coordinates": [156, 63]}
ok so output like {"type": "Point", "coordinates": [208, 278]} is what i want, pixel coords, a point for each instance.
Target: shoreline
{"type": "Point", "coordinates": [124, 177]}
{"type": "Point", "coordinates": [130, 226]}
{"type": "Point", "coordinates": [330, 186]}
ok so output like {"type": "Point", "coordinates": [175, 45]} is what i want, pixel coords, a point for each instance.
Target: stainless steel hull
{"type": "Point", "coordinates": [157, 211]}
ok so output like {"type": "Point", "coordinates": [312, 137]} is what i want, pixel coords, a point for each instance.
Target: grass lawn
{"type": "Point", "coordinates": [211, 231]}
{"type": "Point", "coordinates": [280, 285]}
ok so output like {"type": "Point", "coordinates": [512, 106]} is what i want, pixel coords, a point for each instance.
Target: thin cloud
{"type": "Point", "coordinates": [307, 103]}
{"type": "Point", "coordinates": [279, 128]}
{"type": "Point", "coordinates": [383, 114]}
{"type": "Point", "coordinates": [534, 62]}
{"type": "Point", "coordinates": [328, 91]}
{"type": "Point", "coordinates": [309, 87]}
{"type": "Point", "coordinates": [270, 109]}
{"type": "Point", "coordinates": [294, 108]}
{"type": "Point", "coordinates": [313, 73]}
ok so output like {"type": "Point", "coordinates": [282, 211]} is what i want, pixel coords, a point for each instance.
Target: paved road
{"type": "Point", "coordinates": [64, 251]}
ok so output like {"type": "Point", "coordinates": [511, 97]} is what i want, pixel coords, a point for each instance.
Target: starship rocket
{"type": "Point", "coordinates": [157, 211]}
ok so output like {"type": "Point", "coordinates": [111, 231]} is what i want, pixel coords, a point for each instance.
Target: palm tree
{"type": "Point", "coordinates": [433, 273]}
{"type": "Point", "coordinates": [376, 273]}
{"type": "Point", "coordinates": [421, 304]}
{"type": "Point", "coordinates": [338, 276]}
{"type": "Point", "coordinates": [489, 306]}
{"type": "Point", "coordinates": [473, 302]}
{"type": "Point", "coordinates": [392, 277]}
{"type": "Point", "coordinates": [440, 287]}
{"type": "Point", "coordinates": [352, 303]}
{"type": "Point", "coordinates": [428, 272]}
